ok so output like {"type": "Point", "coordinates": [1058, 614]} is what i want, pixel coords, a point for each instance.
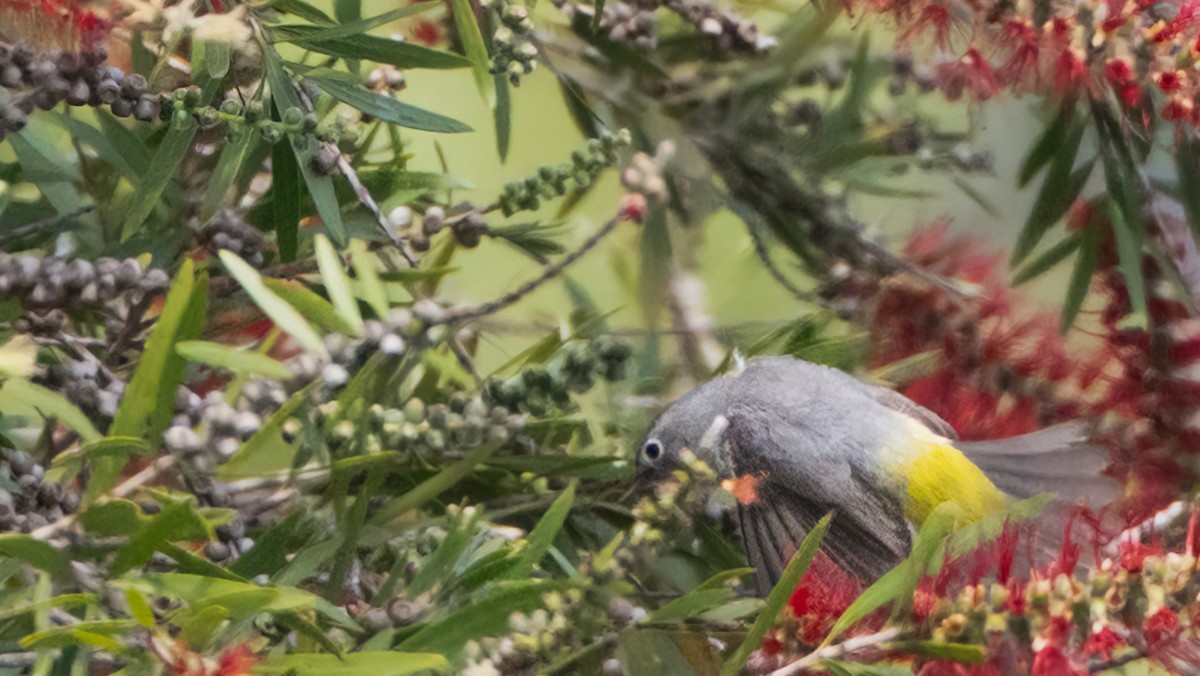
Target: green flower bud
{"type": "Point", "coordinates": [293, 116]}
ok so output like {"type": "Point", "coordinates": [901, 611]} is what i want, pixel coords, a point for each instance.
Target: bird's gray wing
{"type": "Point", "coordinates": [799, 476]}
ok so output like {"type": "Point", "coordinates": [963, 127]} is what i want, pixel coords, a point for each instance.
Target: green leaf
{"type": "Point", "coordinates": [352, 29]}
{"type": "Point", "coordinates": [487, 617]}
{"type": "Point", "coordinates": [104, 146]}
{"type": "Point", "coordinates": [265, 437]}
{"type": "Point", "coordinates": [98, 633]}
{"type": "Point", "coordinates": [337, 284]}
{"type": "Point", "coordinates": [1047, 145]}
{"type": "Point", "coordinates": [128, 144]}
{"type": "Point", "coordinates": [108, 447]}
{"type": "Point", "coordinates": [1081, 275]}
{"type": "Point", "coordinates": [472, 40]}
{"type": "Point", "coordinates": [1052, 257]}
{"type": "Point", "coordinates": [443, 559]}
{"type": "Point", "coordinates": [366, 273]}
{"type": "Point", "coordinates": [1129, 256]}
{"type": "Point", "coordinates": [778, 597]}
{"type": "Point", "coordinates": [232, 359]}
{"type": "Point", "coordinates": [149, 400]}
{"type": "Point", "coordinates": [389, 109]}
{"type": "Point", "coordinates": [60, 601]}
{"type": "Point", "coordinates": [210, 65]}
{"type": "Point", "coordinates": [543, 534]}
{"type": "Point", "coordinates": [226, 171]}
{"type": "Point", "coordinates": [376, 663]}
{"type": "Point", "coordinates": [959, 652]}
{"type": "Point", "coordinates": [303, 10]}
{"type": "Point", "coordinates": [139, 608]}
{"type": "Point", "coordinates": [187, 562]}
{"type": "Point", "coordinates": [1188, 166]}
{"type": "Point", "coordinates": [371, 48]}
{"type": "Point", "coordinates": [280, 312]}
{"type": "Point", "coordinates": [36, 553]}
{"type": "Point", "coordinates": [314, 308]}
{"type": "Point", "coordinates": [112, 517]}
{"type": "Point", "coordinates": [320, 187]}
{"type": "Point", "coordinates": [241, 599]}
{"type": "Point", "coordinates": [176, 521]}
{"type": "Point", "coordinates": [434, 486]}
{"type": "Point", "coordinates": [158, 175]}
{"type": "Point", "coordinates": [347, 11]}
{"type": "Point", "coordinates": [708, 595]}
{"type": "Point", "coordinates": [50, 405]}
{"type": "Point", "coordinates": [502, 115]}
{"type": "Point", "coordinates": [40, 161]}
{"type": "Point", "coordinates": [1054, 198]}
{"type": "Point", "coordinates": [900, 582]}
{"type": "Point", "coordinates": [285, 202]}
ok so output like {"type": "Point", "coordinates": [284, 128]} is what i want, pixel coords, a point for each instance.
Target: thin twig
{"type": "Point", "coordinates": [549, 272]}
{"type": "Point", "coordinates": [840, 650]}
{"type": "Point", "coordinates": [132, 326]}
{"type": "Point", "coordinates": [360, 190]}
{"type": "Point", "coordinates": [1157, 522]}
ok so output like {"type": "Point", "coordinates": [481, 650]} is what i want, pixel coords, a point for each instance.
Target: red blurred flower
{"type": "Point", "coordinates": [970, 74]}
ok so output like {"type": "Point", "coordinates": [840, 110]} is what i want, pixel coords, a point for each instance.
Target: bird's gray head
{"type": "Point", "coordinates": [695, 422]}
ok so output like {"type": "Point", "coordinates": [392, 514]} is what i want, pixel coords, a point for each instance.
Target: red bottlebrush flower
{"type": "Point", "coordinates": [824, 593]}
{"type": "Point", "coordinates": [238, 661]}
{"type": "Point", "coordinates": [1178, 109]}
{"type": "Point", "coordinates": [1025, 45]}
{"type": "Point", "coordinates": [1132, 555]}
{"type": "Point", "coordinates": [1120, 75]}
{"type": "Point", "coordinates": [935, 17]}
{"type": "Point", "coordinates": [970, 74]}
{"type": "Point", "coordinates": [63, 24]}
{"type": "Point", "coordinates": [771, 646]}
{"type": "Point", "coordinates": [1069, 71]}
{"type": "Point", "coordinates": [1171, 80]}
{"type": "Point", "coordinates": [1051, 661]}
{"type": "Point", "coordinates": [427, 32]}
{"type": "Point", "coordinates": [1102, 643]}
{"type": "Point", "coordinates": [1161, 628]}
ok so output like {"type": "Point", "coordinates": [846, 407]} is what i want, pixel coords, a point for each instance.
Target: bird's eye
{"type": "Point", "coordinates": [652, 450]}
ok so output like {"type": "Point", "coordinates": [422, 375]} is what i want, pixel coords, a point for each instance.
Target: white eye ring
{"type": "Point", "coordinates": [652, 450]}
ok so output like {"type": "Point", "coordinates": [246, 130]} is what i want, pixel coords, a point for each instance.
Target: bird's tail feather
{"type": "Point", "coordinates": [1059, 460]}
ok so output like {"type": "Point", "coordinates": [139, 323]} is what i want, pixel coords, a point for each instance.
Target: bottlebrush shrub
{"type": "Point", "coordinates": [249, 422]}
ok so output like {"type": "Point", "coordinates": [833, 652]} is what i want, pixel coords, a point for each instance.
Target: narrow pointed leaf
{"type": "Point", "coordinates": [320, 187]}
{"type": "Point", "coordinates": [371, 48]}
{"type": "Point", "coordinates": [389, 109]}
{"type": "Point", "coordinates": [226, 171]}
{"type": "Point", "coordinates": [158, 175]}
{"type": "Point", "coordinates": [778, 597]}
{"type": "Point", "coordinates": [1046, 146]}
{"type": "Point", "coordinates": [232, 359]}
{"type": "Point", "coordinates": [1081, 276]}
{"type": "Point", "coordinates": [1059, 189]}
{"type": "Point", "coordinates": [337, 283]}
{"type": "Point", "coordinates": [353, 28]}
{"type": "Point", "coordinates": [476, 49]}
{"type": "Point", "coordinates": [149, 400]}
{"type": "Point", "coordinates": [542, 536]}
{"type": "Point", "coordinates": [370, 286]}
{"type": "Point", "coordinates": [284, 315]}
{"type": "Point", "coordinates": [1046, 262]}
{"type": "Point", "coordinates": [314, 308]}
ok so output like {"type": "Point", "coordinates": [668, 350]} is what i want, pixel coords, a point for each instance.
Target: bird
{"type": "Point", "coordinates": [794, 441]}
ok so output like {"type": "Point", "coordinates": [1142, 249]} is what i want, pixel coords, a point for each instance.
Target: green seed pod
{"type": "Point", "coordinates": [231, 107]}
{"type": "Point", "coordinates": [414, 410]}
{"type": "Point", "coordinates": [293, 117]}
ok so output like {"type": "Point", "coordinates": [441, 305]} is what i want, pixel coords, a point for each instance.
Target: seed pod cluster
{"type": "Point", "coordinates": [62, 283]}
{"type": "Point", "coordinates": [515, 54]}
{"type": "Point", "coordinates": [227, 230]}
{"type": "Point", "coordinates": [539, 390]}
{"type": "Point", "coordinates": [34, 79]}
{"type": "Point", "coordinates": [27, 500]}
{"type": "Point", "coordinates": [552, 181]}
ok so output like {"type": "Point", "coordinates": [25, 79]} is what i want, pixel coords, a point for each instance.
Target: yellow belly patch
{"type": "Point", "coordinates": [936, 472]}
